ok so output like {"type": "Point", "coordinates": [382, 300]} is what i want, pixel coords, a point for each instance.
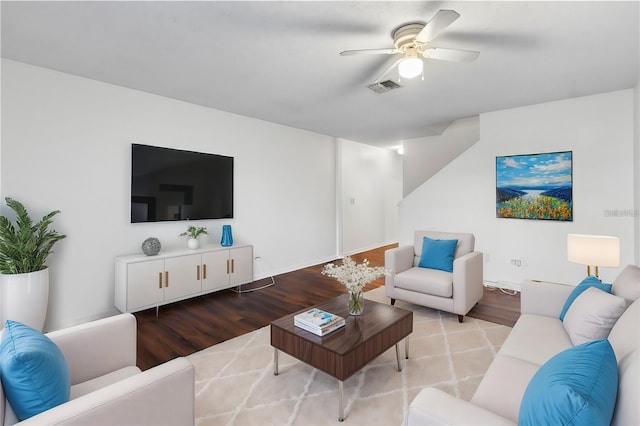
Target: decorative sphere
{"type": "Point", "coordinates": [151, 246]}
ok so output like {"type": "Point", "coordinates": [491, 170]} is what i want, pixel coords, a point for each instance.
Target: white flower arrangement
{"type": "Point", "coordinates": [352, 275]}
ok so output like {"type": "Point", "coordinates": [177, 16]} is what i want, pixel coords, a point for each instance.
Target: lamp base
{"type": "Point", "coordinates": [589, 271]}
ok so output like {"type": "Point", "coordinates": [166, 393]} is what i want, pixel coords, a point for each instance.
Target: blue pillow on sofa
{"type": "Point", "coordinates": [438, 254]}
{"type": "Point", "coordinates": [35, 374]}
{"type": "Point", "coordinates": [590, 281]}
{"type": "Point", "coordinates": [578, 386]}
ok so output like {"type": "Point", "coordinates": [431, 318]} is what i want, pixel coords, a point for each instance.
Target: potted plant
{"type": "Point", "coordinates": [24, 276]}
{"type": "Point", "coordinates": [193, 233]}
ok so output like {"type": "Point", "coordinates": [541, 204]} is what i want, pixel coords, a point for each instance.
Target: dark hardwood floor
{"type": "Point", "coordinates": [185, 327]}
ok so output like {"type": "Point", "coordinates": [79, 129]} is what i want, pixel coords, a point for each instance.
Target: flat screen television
{"type": "Point", "coordinates": [172, 184]}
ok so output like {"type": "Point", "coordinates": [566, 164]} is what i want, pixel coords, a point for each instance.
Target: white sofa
{"type": "Point", "coordinates": [456, 292]}
{"type": "Point", "coordinates": [537, 336]}
{"type": "Point", "coordinates": [107, 387]}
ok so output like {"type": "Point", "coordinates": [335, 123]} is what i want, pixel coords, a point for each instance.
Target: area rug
{"type": "Point", "coordinates": [235, 384]}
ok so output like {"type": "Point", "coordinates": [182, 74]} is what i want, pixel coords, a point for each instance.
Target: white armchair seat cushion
{"type": "Point", "coordinates": [103, 381]}
{"type": "Point", "coordinates": [425, 280]}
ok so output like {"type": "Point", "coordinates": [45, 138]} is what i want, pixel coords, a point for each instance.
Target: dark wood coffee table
{"type": "Point", "coordinates": [343, 352]}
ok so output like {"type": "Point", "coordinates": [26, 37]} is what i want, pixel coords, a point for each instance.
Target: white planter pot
{"type": "Point", "coordinates": [193, 243]}
{"type": "Point", "coordinates": [24, 298]}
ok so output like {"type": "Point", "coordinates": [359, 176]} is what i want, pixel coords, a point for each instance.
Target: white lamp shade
{"type": "Point", "coordinates": [596, 250]}
{"type": "Point", "coordinates": [410, 67]}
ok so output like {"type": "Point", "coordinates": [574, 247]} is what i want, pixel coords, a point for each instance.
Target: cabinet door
{"type": "Point", "coordinates": [241, 265]}
{"type": "Point", "coordinates": [184, 274]}
{"type": "Point", "coordinates": [145, 284]}
{"type": "Point", "coordinates": [216, 264]}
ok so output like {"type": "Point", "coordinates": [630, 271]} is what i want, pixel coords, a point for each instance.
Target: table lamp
{"type": "Point", "coordinates": [593, 250]}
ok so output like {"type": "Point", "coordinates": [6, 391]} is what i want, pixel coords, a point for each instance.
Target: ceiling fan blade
{"type": "Point", "coordinates": [369, 52]}
{"type": "Point", "coordinates": [439, 22]}
{"type": "Point", "coordinates": [454, 55]}
{"type": "Point", "coordinates": [387, 71]}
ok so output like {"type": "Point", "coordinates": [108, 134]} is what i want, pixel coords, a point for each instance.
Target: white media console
{"type": "Point", "coordinates": [144, 282]}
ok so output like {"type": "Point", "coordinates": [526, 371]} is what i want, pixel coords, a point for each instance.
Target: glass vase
{"type": "Point", "coordinates": [356, 302]}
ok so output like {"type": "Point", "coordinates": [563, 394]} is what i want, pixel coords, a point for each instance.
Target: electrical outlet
{"type": "Point", "coordinates": [519, 262]}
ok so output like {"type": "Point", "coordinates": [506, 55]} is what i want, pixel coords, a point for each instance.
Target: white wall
{"type": "Point", "coordinates": [369, 191]}
{"type": "Point", "coordinates": [66, 145]}
{"type": "Point", "coordinates": [461, 197]}
{"type": "Point", "coordinates": [636, 93]}
{"type": "Point", "coordinates": [424, 157]}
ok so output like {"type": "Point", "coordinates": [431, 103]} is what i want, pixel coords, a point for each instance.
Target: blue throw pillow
{"type": "Point", "coordinates": [438, 254]}
{"type": "Point", "coordinates": [590, 281]}
{"type": "Point", "coordinates": [35, 374]}
{"type": "Point", "coordinates": [578, 386]}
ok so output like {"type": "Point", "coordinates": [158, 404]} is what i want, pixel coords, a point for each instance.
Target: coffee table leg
{"type": "Point", "coordinates": [275, 361]}
{"type": "Point", "coordinates": [398, 356]}
{"type": "Point", "coordinates": [406, 347]}
{"type": "Point", "coordinates": [340, 401]}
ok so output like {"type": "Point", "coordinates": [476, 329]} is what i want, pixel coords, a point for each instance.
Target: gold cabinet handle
{"type": "Point", "coordinates": [227, 266]}
{"type": "Point", "coordinates": [198, 272]}
{"type": "Point", "coordinates": [204, 271]}
{"type": "Point", "coordinates": [159, 279]}
{"type": "Point", "coordinates": [233, 269]}
{"type": "Point", "coordinates": [166, 278]}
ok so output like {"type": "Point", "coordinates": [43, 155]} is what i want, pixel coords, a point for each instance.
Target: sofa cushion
{"type": "Point", "coordinates": [585, 284]}
{"type": "Point", "coordinates": [577, 386]}
{"type": "Point", "coordinates": [627, 284]}
{"type": "Point", "coordinates": [423, 280]}
{"type": "Point", "coordinates": [536, 338]}
{"type": "Point", "coordinates": [592, 315]}
{"type": "Point", "coordinates": [503, 385]}
{"type": "Point", "coordinates": [624, 336]}
{"type": "Point", "coordinates": [627, 411]}
{"type": "Point", "coordinates": [35, 374]}
{"type": "Point", "coordinates": [437, 254]}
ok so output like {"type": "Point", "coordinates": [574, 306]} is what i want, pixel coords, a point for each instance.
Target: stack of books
{"type": "Point", "coordinates": [318, 321]}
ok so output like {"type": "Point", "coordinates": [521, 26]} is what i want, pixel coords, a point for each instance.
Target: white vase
{"type": "Point", "coordinates": [24, 298]}
{"type": "Point", "coordinates": [193, 243]}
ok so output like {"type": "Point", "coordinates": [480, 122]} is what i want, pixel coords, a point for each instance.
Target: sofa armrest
{"type": "Point", "coordinates": [434, 407]}
{"type": "Point", "coordinates": [543, 298]}
{"type": "Point", "coordinates": [99, 347]}
{"type": "Point", "coordinates": [468, 278]}
{"type": "Point", "coordinates": [163, 395]}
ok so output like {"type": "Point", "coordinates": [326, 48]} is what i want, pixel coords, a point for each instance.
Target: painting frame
{"type": "Point", "coordinates": [535, 186]}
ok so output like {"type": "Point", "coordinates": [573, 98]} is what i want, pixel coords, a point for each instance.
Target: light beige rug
{"type": "Point", "coordinates": [235, 384]}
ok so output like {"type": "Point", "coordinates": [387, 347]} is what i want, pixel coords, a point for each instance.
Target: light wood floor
{"type": "Point", "coordinates": [188, 326]}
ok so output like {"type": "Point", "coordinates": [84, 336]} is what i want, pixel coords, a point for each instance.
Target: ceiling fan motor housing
{"type": "Point", "coordinates": [405, 34]}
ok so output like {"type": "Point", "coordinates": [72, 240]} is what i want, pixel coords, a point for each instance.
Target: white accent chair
{"type": "Point", "coordinates": [106, 386]}
{"type": "Point", "coordinates": [456, 292]}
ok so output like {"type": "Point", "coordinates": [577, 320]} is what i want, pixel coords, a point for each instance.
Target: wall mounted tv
{"type": "Point", "coordinates": [171, 184]}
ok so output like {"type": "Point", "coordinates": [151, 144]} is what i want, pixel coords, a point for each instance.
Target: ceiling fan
{"type": "Point", "coordinates": [413, 41]}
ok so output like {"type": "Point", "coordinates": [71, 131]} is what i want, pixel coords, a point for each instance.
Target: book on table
{"type": "Point", "coordinates": [318, 321]}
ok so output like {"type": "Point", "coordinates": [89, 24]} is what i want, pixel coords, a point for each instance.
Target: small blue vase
{"type": "Point", "coordinates": [227, 238]}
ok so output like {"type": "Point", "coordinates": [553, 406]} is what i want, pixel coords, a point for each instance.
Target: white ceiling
{"type": "Point", "coordinates": [279, 61]}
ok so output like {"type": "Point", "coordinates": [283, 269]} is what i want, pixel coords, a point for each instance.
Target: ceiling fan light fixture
{"type": "Point", "coordinates": [410, 67]}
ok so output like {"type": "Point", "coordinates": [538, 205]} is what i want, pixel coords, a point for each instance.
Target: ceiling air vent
{"type": "Point", "coordinates": [384, 86]}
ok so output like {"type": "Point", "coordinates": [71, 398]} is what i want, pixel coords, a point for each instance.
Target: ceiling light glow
{"type": "Point", "coordinates": [410, 67]}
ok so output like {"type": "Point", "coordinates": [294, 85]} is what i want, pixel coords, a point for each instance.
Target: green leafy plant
{"type": "Point", "coordinates": [25, 246]}
{"type": "Point", "coordinates": [194, 232]}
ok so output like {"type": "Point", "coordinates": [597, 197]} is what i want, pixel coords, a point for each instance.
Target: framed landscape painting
{"type": "Point", "coordinates": [535, 186]}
